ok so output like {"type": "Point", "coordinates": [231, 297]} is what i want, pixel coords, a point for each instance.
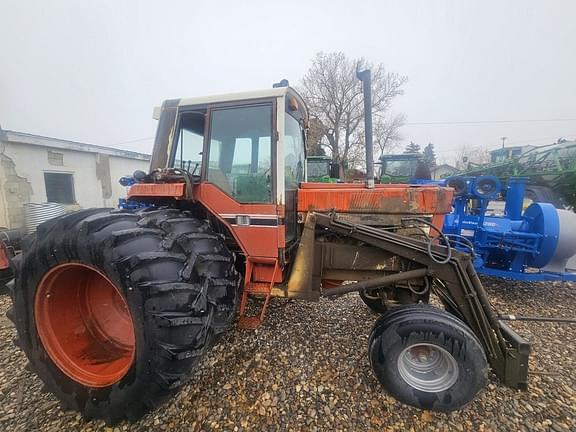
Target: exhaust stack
{"type": "Point", "coordinates": [366, 79]}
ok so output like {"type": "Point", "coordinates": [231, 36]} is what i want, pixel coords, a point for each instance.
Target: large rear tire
{"type": "Point", "coordinates": [427, 358]}
{"type": "Point", "coordinates": [114, 308]}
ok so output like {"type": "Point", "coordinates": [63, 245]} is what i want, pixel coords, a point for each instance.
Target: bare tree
{"type": "Point", "coordinates": [334, 97]}
{"type": "Point", "coordinates": [314, 136]}
{"type": "Point", "coordinates": [387, 132]}
{"type": "Point", "coordinates": [356, 157]}
{"type": "Point", "coordinates": [468, 154]}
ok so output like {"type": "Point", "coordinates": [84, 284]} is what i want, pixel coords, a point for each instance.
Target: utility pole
{"type": "Point", "coordinates": [503, 139]}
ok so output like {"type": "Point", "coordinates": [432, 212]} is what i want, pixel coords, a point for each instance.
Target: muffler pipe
{"type": "Point", "coordinates": [366, 78]}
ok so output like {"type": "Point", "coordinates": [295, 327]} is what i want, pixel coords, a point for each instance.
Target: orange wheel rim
{"type": "Point", "coordinates": [84, 324]}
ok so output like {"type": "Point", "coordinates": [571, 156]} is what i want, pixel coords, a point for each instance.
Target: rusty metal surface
{"type": "Point", "coordinates": [393, 199]}
{"type": "Point", "coordinates": [337, 276]}
{"type": "Point", "coordinates": [157, 190]}
{"type": "Point", "coordinates": [305, 275]}
{"type": "Point", "coordinates": [353, 257]}
{"type": "Point", "coordinates": [376, 282]}
{"type": "Point", "coordinates": [374, 219]}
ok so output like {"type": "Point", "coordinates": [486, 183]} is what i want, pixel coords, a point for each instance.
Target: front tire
{"type": "Point", "coordinates": [114, 308]}
{"type": "Point", "coordinates": [427, 358]}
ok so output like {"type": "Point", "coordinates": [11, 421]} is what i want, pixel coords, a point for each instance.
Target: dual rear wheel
{"type": "Point", "coordinates": [115, 308]}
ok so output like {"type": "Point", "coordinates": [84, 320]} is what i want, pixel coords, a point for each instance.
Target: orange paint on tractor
{"type": "Point", "coordinates": [263, 273]}
{"type": "Point", "coordinates": [265, 240]}
{"type": "Point", "coordinates": [255, 240]}
{"type": "Point", "coordinates": [4, 260]}
{"type": "Point", "coordinates": [383, 199]}
{"type": "Point", "coordinates": [84, 324]}
{"type": "Point", "coordinates": [158, 190]}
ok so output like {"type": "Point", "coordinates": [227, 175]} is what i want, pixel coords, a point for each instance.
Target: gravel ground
{"type": "Point", "coordinates": [307, 369]}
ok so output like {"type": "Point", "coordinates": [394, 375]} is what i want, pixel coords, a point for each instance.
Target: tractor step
{"type": "Point", "coordinates": [249, 323]}
{"type": "Point", "coordinates": [263, 288]}
{"type": "Point", "coordinates": [255, 288]}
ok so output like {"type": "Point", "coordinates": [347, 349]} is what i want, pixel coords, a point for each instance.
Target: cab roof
{"type": "Point", "coordinates": [275, 92]}
{"type": "Point", "coordinates": [233, 97]}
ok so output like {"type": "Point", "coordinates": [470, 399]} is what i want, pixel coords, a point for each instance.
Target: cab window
{"type": "Point", "coordinates": [240, 159]}
{"type": "Point", "coordinates": [294, 153]}
{"type": "Point", "coordinates": [190, 138]}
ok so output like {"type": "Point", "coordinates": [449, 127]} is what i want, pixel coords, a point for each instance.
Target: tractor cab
{"type": "Point", "coordinates": [321, 169]}
{"type": "Point", "coordinates": [403, 168]}
{"type": "Point", "coordinates": [246, 154]}
{"type": "Point", "coordinates": [252, 150]}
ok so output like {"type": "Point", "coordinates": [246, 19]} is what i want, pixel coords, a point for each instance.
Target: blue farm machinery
{"type": "Point", "coordinates": [532, 244]}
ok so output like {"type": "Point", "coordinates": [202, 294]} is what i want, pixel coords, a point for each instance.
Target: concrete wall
{"type": "Point", "coordinates": [95, 177]}
{"type": "Point", "coordinates": [14, 190]}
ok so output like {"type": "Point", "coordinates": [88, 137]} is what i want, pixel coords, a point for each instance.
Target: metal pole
{"type": "Point", "coordinates": [377, 282]}
{"type": "Point", "coordinates": [537, 319]}
{"type": "Point", "coordinates": [366, 79]}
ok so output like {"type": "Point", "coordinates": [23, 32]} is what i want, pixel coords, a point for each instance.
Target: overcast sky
{"type": "Point", "coordinates": [92, 71]}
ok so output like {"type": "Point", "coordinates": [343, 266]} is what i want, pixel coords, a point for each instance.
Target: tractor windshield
{"type": "Point", "coordinates": [403, 169]}
{"type": "Point", "coordinates": [318, 168]}
{"type": "Point", "coordinates": [396, 168]}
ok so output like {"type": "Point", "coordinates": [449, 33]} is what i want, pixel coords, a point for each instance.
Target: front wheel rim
{"type": "Point", "coordinates": [84, 324]}
{"type": "Point", "coordinates": [428, 367]}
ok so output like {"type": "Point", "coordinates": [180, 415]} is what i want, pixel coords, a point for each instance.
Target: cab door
{"type": "Point", "coordinates": [238, 173]}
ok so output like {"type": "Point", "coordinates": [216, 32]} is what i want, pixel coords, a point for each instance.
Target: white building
{"type": "Point", "coordinates": [37, 169]}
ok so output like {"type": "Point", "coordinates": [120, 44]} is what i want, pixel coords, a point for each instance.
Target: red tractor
{"type": "Point", "coordinates": [114, 307]}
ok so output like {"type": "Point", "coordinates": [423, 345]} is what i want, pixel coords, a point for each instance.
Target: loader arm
{"type": "Point", "coordinates": [461, 289]}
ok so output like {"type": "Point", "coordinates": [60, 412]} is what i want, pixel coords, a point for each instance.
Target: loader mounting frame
{"type": "Point", "coordinates": [458, 287]}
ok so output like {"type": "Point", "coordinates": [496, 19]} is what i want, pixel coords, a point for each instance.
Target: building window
{"type": "Point", "coordinates": [59, 188]}
{"type": "Point", "coordinates": [55, 158]}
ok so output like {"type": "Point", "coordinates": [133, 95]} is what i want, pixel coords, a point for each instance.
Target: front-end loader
{"type": "Point", "coordinates": [114, 307]}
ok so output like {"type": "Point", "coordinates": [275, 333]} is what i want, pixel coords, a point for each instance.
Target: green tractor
{"type": "Point", "coordinates": [403, 168]}
{"type": "Point", "coordinates": [321, 169]}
